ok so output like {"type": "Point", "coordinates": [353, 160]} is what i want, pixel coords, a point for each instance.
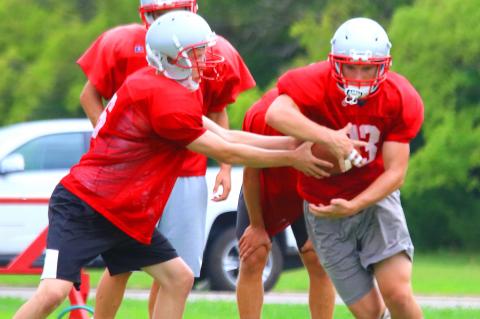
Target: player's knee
{"type": "Point", "coordinates": [313, 265]}
{"type": "Point", "coordinates": [182, 283]}
{"type": "Point", "coordinates": [398, 298]}
{"type": "Point", "coordinates": [372, 311]}
{"type": "Point", "coordinates": [255, 262]}
{"type": "Point", "coordinates": [49, 299]}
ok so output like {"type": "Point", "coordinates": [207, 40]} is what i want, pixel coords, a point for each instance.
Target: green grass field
{"type": "Point", "coordinates": [227, 310]}
{"type": "Point", "coordinates": [434, 274]}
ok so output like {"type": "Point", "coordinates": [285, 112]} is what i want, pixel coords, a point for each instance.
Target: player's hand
{"type": "Point", "coordinates": [253, 238]}
{"type": "Point", "coordinates": [344, 148]}
{"type": "Point", "coordinates": [338, 208]}
{"type": "Point", "coordinates": [309, 164]}
{"type": "Point", "coordinates": [223, 179]}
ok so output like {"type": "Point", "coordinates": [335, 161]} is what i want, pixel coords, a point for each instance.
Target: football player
{"type": "Point", "coordinates": [119, 52]}
{"type": "Point", "coordinates": [355, 219]}
{"type": "Point", "coordinates": [268, 204]}
{"type": "Point", "coordinates": [110, 202]}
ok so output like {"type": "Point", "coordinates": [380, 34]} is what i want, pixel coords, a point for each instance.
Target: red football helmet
{"type": "Point", "coordinates": [148, 7]}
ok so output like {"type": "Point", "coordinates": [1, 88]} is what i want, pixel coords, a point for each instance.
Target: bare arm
{"type": "Point", "coordinates": [223, 177]}
{"type": "Point", "coordinates": [255, 234]}
{"type": "Point", "coordinates": [251, 193]}
{"type": "Point", "coordinates": [395, 158]}
{"type": "Point", "coordinates": [212, 145]}
{"type": "Point", "coordinates": [285, 116]}
{"type": "Point", "coordinates": [92, 102]}
{"type": "Point", "coordinates": [233, 136]}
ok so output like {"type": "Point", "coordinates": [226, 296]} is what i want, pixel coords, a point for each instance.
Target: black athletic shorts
{"type": "Point", "coordinates": [298, 226]}
{"type": "Point", "coordinates": [77, 234]}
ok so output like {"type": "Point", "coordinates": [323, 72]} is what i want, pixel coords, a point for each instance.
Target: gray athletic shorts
{"type": "Point", "coordinates": [348, 247]}
{"type": "Point", "coordinates": [183, 220]}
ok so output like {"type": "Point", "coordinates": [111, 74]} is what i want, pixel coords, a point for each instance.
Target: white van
{"type": "Point", "coordinates": [34, 156]}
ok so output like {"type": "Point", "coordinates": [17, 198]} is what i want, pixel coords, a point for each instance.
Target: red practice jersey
{"type": "Point", "coordinates": [120, 51]}
{"type": "Point", "coordinates": [280, 202]}
{"type": "Point", "coordinates": [394, 113]}
{"type": "Point", "coordinates": [113, 56]}
{"type": "Point", "coordinates": [137, 150]}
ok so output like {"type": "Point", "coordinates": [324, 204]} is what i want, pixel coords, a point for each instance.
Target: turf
{"type": "Point", "coordinates": [221, 310]}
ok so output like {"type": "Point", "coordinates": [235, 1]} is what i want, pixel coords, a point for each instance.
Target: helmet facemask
{"type": "Point", "coordinates": [359, 88]}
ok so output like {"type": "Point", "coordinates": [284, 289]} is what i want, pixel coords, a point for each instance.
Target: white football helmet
{"type": "Point", "coordinates": [148, 7]}
{"type": "Point", "coordinates": [170, 44]}
{"type": "Point", "coordinates": [360, 41]}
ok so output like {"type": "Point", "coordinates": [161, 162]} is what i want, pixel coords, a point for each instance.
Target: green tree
{"type": "Point", "coordinates": [436, 46]}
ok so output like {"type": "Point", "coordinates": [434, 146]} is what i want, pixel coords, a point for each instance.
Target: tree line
{"type": "Point", "coordinates": [435, 45]}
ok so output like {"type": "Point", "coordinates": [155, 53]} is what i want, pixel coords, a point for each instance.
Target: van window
{"type": "Point", "coordinates": [56, 151]}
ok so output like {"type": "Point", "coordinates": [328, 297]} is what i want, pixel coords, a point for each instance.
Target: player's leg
{"type": "Point", "coordinates": [152, 297]}
{"type": "Point", "coordinates": [250, 284]}
{"type": "Point", "coordinates": [250, 281]}
{"type": "Point", "coordinates": [175, 283]}
{"type": "Point", "coordinates": [388, 247]}
{"type": "Point", "coordinates": [161, 261]}
{"type": "Point", "coordinates": [394, 280]}
{"type": "Point", "coordinates": [321, 293]}
{"type": "Point", "coordinates": [49, 295]}
{"type": "Point", "coordinates": [335, 242]}
{"type": "Point", "coordinates": [183, 224]}
{"type": "Point", "coordinates": [76, 235]}
{"type": "Point", "coordinates": [109, 294]}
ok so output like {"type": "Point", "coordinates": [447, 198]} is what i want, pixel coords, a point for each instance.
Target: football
{"type": "Point", "coordinates": [323, 153]}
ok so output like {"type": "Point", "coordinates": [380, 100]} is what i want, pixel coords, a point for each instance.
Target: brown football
{"type": "Point", "coordinates": [323, 153]}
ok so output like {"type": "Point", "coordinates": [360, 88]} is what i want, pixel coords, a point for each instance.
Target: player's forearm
{"type": "Point", "coordinates": [264, 141]}
{"type": "Point", "coordinates": [285, 117]}
{"type": "Point", "coordinates": [383, 186]}
{"type": "Point", "coordinates": [221, 119]}
{"type": "Point", "coordinates": [251, 194]}
{"type": "Point", "coordinates": [256, 157]}
{"type": "Point", "coordinates": [91, 102]}
{"type": "Point", "coordinates": [234, 136]}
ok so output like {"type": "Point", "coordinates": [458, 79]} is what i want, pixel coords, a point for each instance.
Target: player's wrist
{"type": "Point", "coordinates": [225, 167]}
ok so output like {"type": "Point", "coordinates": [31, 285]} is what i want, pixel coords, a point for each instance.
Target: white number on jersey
{"type": "Point", "coordinates": [103, 117]}
{"type": "Point", "coordinates": [361, 133]}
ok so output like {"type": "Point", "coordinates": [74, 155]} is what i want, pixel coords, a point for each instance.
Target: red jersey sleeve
{"type": "Point", "coordinates": [113, 56]}
{"type": "Point", "coordinates": [304, 85]}
{"type": "Point", "coordinates": [236, 78]}
{"type": "Point", "coordinates": [410, 117]}
{"type": "Point", "coordinates": [98, 65]}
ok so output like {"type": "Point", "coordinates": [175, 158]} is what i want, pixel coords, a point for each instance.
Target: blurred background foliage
{"type": "Point", "coordinates": [435, 45]}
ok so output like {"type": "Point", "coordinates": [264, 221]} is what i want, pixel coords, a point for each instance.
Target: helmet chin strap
{"type": "Point", "coordinates": [189, 83]}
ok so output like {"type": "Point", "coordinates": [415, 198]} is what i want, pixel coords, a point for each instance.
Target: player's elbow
{"type": "Point", "coordinates": [272, 116]}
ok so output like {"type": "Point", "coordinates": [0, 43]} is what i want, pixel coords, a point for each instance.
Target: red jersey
{"type": "Point", "coordinates": [120, 51]}
{"type": "Point", "coordinates": [280, 202]}
{"type": "Point", "coordinates": [136, 152]}
{"type": "Point", "coordinates": [395, 113]}
{"type": "Point", "coordinates": [113, 56]}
